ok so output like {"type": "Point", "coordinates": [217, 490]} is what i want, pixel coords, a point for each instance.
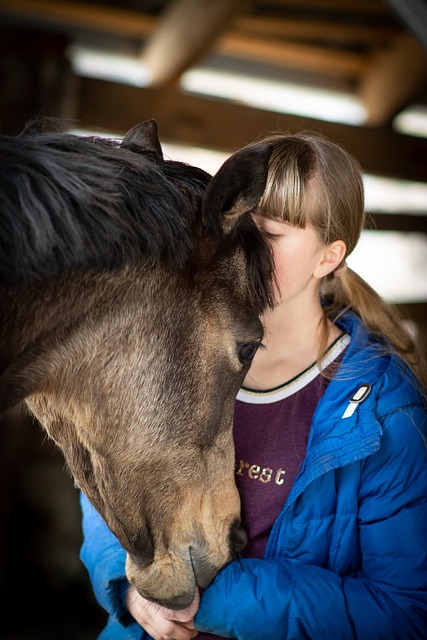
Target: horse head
{"type": "Point", "coordinates": [133, 367]}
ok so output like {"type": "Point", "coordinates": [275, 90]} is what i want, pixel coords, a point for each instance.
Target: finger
{"type": "Point", "coordinates": [174, 631]}
{"type": "Point", "coordinates": [187, 625]}
{"type": "Point", "coordinates": [170, 630]}
{"type": "Point", "coordinates": [156, 620]}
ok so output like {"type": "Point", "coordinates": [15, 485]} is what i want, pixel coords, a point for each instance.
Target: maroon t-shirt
{"type": "Point", "coordinates": [271, 441]}
{"type": "Point", "coordinates": [271, 430]}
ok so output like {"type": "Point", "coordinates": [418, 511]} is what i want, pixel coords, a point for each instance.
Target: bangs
{"type": "Point", "coordinates": [287, 195]}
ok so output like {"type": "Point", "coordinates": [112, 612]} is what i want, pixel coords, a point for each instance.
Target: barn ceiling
{"type": "Point", "coordinates": [374, 50]}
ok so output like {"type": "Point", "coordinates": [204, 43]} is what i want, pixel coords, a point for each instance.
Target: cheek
{"type": "Point", "coordinates": [288, 262]}
{"type": "Point", "coordinates": [293, 268]}
{"type": "Point", "coordinates": [288, 276]}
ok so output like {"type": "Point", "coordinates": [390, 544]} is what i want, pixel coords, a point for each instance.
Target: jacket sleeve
{"type": "Point", "coordinates": [104, 558]}
{"type": "Point", "coordinates": [387, 597]}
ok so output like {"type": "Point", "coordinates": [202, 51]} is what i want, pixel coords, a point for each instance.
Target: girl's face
{"type": "Point", "coordinates": [298, 254]}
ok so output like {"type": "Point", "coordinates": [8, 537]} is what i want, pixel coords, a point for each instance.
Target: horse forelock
{"type": "Point", "coordinates": [260, 265]}
{"type": "Point", "coordinates": [68, 202]}
{"type": "Point", "coordinates": [251, 275]}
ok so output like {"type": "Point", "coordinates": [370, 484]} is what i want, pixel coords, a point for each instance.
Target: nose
{"type": "Point", "coordinates": [237, 539]}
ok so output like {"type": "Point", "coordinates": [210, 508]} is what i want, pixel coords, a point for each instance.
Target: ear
{"type": "Point", "coordinates": [332, 256]}
{"type": "Point", "coordinates": [235, 189]}
{"type": "Point", "coordinates": [144, 137]}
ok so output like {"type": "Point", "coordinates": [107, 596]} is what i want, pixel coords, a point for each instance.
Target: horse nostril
{"type": "Point", "coordinates": [238, 539]}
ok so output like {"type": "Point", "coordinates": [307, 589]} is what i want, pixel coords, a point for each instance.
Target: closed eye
{"type": "Point", "coordinates": [272, 236]}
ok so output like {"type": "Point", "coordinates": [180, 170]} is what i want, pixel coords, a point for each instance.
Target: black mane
{"type": "Point", "coordinates": [68, 202]}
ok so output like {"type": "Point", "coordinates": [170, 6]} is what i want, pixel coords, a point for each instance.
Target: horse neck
{"type": "Point", "coordinates": [33, 313]}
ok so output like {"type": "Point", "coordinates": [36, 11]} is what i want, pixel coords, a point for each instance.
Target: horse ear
{"type": "Point", "coordinates": [144, 136]}
{"type": "Point", "coordinates": [236, 188]}
{"type": "Point", "coordinates": [42, 124]}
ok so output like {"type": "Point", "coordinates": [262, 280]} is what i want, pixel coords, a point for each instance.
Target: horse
{"type": "Point", "coordinates": [131, 292]}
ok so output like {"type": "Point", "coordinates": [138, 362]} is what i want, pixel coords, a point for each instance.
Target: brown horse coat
{"type": "Point", "coordinates": [130, 298]}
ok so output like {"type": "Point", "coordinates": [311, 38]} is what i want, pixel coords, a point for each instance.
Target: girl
{"type": "Point", "coordinates": [330, 435]}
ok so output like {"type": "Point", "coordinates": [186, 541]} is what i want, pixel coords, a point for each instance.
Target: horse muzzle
{"type": "Point", "coordinates": [170, 580]}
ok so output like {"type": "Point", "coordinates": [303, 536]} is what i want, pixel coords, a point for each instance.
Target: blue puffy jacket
{"type": "Point", "coordinates": [347, 557]}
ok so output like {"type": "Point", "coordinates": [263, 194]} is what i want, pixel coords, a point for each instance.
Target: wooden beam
{"type": "Point", "coordinates": [290, 54]}
{"type": "Point", "coordinates": [393, 79]}
{"type": "Point", "coordinates": [77, 14]}
{"type": "Point", "coordinates": [345, 6]}
{"type": "Point", "coordinates": [173, 41]}
{"type": "Point", "coordinates": [397, 222]}
{"type": "Point", "coordinates": [223, 125]}
{"type": "Point", "coordinates": [184, 32]}
{"type": "Point", "coordinates": [417, 311]}
{"type": "Point", "coordinates": [324, 30]}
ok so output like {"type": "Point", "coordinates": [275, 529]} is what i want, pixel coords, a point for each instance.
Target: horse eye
{"type": "Point", "coordinates": [247, 352]}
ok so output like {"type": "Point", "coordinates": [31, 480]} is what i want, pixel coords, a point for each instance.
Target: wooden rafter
{"type": "Point", "coordinates": [387, 79]}
{"type": "Point", "coordinates": [291, 54]}
{"type": "Point", "coordinates": [184, 32]}
{"type": "Point", "coordinates": [348, 6]}
{"type": "Point", "coordinates": [325, 30]}
{"type": "Point", "coordinates": [393, 79]}
{"type": "Point", "coordinates": [78, 14]}
{"type": "Point", "coordinates": [222, 125]}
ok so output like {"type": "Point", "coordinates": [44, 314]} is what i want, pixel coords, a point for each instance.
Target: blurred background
{"type": "Point", "coordinates": [214, 74]}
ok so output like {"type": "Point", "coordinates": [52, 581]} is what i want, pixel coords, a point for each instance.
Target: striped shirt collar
{"type": "Point", "coordinates": [267, 396]}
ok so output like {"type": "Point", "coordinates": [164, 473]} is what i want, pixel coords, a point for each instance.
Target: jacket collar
{"type": "Point", "coordinates": [335, 439]}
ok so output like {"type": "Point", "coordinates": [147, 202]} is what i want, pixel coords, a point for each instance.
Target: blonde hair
{"type": "Point", "coordinates": [312, 180]}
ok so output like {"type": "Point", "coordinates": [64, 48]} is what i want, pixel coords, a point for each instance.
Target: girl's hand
{"type": "Point", "coordinates": [161, 623]}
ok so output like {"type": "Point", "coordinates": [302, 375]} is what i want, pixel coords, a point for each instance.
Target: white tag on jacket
{"type": "Point", "coordinates": [356, 399]}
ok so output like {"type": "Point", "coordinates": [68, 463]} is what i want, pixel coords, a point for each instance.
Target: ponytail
{"type": "Point", "coordinates": [350, 291]}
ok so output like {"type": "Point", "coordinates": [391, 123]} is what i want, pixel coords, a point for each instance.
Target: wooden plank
{"type": "Point", "coordinates": [288, 54]}
{"type": "Point", "coordinates": [397, 222]}
{"type": "Point", "coordinates": [223, 125]}
{"type": "Point", "coordinates": [137, 23]}
{"type": "Point", "coordinates": [416, 311]}
{"type": "Point", "coordinates": [184, 32]}
{"type": "Point", "coordinates": [324, 30]}
{"type": "Point", "coordinates": [393, 79]}
{"type": "Point", "coordinates": [78, 14]}
{"type": "Point", "coordinates": [350, 6]}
